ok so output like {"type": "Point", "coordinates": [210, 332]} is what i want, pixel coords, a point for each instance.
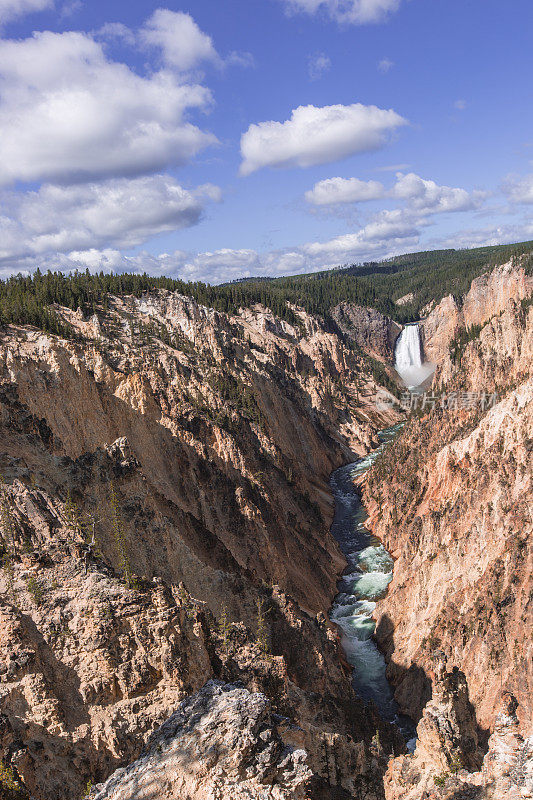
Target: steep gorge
{"type": "Point", "coordinates": [161, 477]}
{"type": "Point", "coordinates": [164, 517]}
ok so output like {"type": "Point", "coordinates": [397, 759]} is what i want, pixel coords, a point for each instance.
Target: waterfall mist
{"type": "Point", "coordinates": [408, 357]}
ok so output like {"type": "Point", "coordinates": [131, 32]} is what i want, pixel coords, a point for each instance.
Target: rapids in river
{"type": "Point", "coordinates": [363, 583]}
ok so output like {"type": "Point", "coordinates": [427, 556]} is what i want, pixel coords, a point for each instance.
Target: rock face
{"type": "Point", "coordinates": [161, 477]}
{"type": "Point", "coordinates": [373, 332]}
{"type": "Point", "coordinates": [456, 516]}
{"type": "Point", "coordinates": [223, 742]}
{"type": "Point", "coordinates": [489, 295]}
{"type": "Point", "coordinates": [448, 763]}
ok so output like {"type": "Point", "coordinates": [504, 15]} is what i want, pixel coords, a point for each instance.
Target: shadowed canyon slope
{"type": "Point", "coordinates": [160, 477]}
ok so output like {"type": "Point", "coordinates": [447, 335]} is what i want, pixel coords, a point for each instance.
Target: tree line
{"type": "Point", "coordinates": [428, 275]}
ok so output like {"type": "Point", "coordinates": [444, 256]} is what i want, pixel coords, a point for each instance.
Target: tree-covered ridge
{"type": "Point", "coordinates": [27, 300]}
{"type": "Point", "coordinates": [428, 275]}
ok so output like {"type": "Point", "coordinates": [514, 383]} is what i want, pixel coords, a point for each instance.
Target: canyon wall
{"type": "Point", "coordinates": [489, 295]}
{"type": "Point", "coordinates": [164, 520]}
{"type": "Point", "coordinates": [372, 331]}
{"type": "Point", "coordinates": [451, 500]}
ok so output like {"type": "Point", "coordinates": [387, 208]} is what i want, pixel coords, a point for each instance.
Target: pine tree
{"type": "Point", "coordinates": [119, 537]}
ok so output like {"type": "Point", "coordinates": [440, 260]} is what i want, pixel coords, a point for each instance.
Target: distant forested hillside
{"type": "Point", "coordinates": [427, 276]}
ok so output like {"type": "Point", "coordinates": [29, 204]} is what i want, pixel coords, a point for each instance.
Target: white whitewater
{"type": "Point", "coordinates": [408, 358]}
{"type": "Point", "coordinates": [364, 582]}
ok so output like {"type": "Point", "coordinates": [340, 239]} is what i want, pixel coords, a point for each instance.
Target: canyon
{"type": "Point", "coordinates": [452, 503]}
{"type": "Point", "coordinates": [168, 569]}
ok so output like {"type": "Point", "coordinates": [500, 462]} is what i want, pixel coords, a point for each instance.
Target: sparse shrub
{"type": "Point", "coordinates": [7, 565]}
{"type": "Point", "coordinates": [223, 629]}
{"type": "Point", "coordinates": [8, 779]}
{"type": "Point", "coordinates": [36, 589]}
{"type": "Point", "coordinates": [72, 515]}
{"type": "Point", "coordinates": [7, 519]}
{"type": "Point", "coordinates": [376, 742]}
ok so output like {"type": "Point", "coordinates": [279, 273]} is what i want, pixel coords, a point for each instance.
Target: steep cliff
{"type": "Point", "coordinates": [372, 331]}
{"type": "Point", "coordinates": [452, 502]}
{"type": "Point", "coordinates": [164, 520]}
{"type": "Point", "coordinates": [488, 296]}
{"type": "Point", "coordinates": [448, 763]}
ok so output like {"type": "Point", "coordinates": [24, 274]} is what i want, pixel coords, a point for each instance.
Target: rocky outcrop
{"type": "Point", "coordinates": [91, 661]}
{"type": "Point", "coordinates": [448, 764]}
{"type": "Point", "coordinates": [223, 742]}
{"type": "Point", "coordinates": [372, 331]}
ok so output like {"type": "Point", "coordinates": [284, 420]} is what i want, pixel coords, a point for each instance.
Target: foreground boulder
{"type": "Point", "coordinates": [223, 742]}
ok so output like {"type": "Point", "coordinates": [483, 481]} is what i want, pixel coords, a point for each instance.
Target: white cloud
{"type": "Point", "coordinates": [427, 197]}
{"type": "Point", "coordinates": [394, 168]}
{"type": "Point", "coordinates": [389, 233]}
{"type": "Point", "coordinates": [333, 191]}
{"type": "Point", "coordinates": [355, 12]}
{"type": "Point", "coordinates": [390, 230]}
{"type": "Point", "coordinates": [423, 196]}
{"type": "Point", "coordinates": [183, 44]}
{"type": "Point", "coordinates": [239, 59]}
{"type": "Point", "coordinates": [117, 31]}
{"type": "Point", "coordinates": [519, 189]}
{"type": "Point", "coordinates": [119, 213]}
{"type": "Point", "coordinates": [70, 8]}
{"type": "Point", "coordinates": [317, 136]}
{"type": "Point", "coordinates": [317, 65]}
{"type": "Point", "coordinates": [386, 229]}
{"type": "Point", "coordinates": [486, 237]}
{"type": "Point", "coordinates": [385, 65]}
{"type": "Point", "coordinates": [68, 113]}
{"type": "Point", "coordinates": [11, 9]}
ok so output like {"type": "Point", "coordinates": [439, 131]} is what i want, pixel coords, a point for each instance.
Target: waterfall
{"type": "Point", "coordinates": [408, 359]}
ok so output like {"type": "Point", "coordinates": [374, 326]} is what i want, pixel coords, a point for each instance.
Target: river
{"type": "Point", "coordinates": [364, 581]}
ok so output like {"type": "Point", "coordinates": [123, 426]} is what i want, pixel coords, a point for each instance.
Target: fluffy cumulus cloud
{"type": "Point", "coordinates": [334, 191]}
{"type": "Point", "coordinates": [118, 212]}
{"type": "Point", "coordinates": [181, 41]}
{"type": "Point", "coordinates": [377, 238]}
{"type": "Point", "coordinates": [10, 9]}
{"type": "Point", "coordinates": [67, 113]}
{"type": "Point", "coordinates": [317, 136]}
{"type": "Point", "coordinates": [354, 12]}
{"type": "Point", "coordinates": [422, 196]}
{"type": "Point", "coordinates": [428, 197]}
{"type": "Point", "coordinates": [390, 230]}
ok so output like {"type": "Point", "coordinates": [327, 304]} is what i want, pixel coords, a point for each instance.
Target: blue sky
{"type": "Point", "coordinates": [220, 139]}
